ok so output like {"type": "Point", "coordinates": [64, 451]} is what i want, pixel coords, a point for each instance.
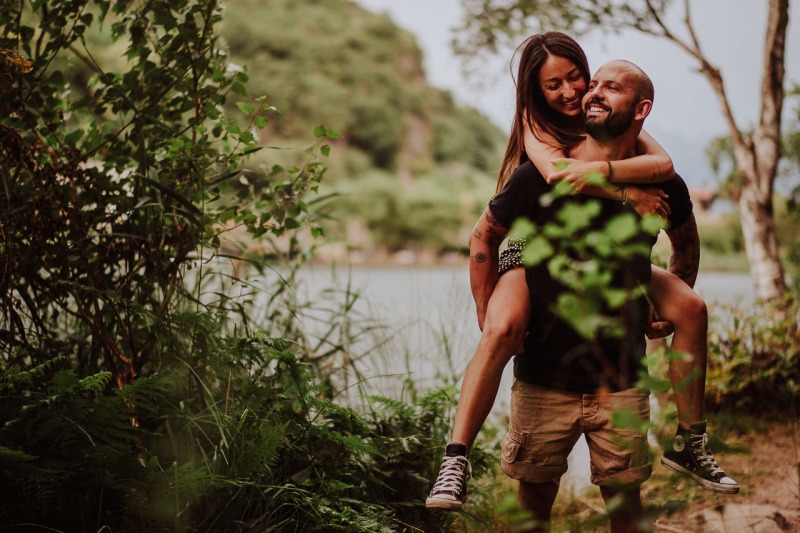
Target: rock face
{"type": "Point", "coordinates": [751, 518]}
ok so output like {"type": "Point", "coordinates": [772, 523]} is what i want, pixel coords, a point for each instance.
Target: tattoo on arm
{"type": "Point", "coordinates": [481, 257]}
{"type": "Point", "coordinates": [657, 173]}
{"type": "Point", "coordinates": [684, 261]}
{"type": "Point", "coordinates": [494, 230]}
{"type": "Point", "coordinates": [477, 233]}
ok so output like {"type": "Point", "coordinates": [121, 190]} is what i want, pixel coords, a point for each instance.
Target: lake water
{"type": "Point", "coordinates": [432, 330]}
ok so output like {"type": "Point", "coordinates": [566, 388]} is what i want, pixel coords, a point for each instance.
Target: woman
{"type": "Point", "coordinates": [552, 80]}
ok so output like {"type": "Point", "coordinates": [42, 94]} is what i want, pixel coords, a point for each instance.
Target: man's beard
{"type": "Point", "coordinates": [615, 124]}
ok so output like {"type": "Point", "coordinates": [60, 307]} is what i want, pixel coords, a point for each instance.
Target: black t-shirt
{"type": "Point", "coordinates": [555, 355]}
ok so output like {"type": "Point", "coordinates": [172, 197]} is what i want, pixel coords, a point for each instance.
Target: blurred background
{"type": "Point", "coordinates": [424, 128]}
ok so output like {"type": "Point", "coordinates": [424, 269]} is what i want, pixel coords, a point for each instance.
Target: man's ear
{"type": "Point", "coordinates": [643, 109]}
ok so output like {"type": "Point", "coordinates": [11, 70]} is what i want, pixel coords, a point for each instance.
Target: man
{"type": "Point", "coordinates": [565, 386]}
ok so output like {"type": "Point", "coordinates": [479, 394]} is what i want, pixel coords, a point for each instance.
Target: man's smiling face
{"type": "Point", "coordinates": [610, 103]}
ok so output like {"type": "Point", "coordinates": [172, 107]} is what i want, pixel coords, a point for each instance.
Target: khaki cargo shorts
{"type": "Point", "coordinates": [545, 425]}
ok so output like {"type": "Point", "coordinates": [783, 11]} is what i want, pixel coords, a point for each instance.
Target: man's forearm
{"type": "Point", "coordinates": [483, 263]}
{"type": "Point", "coordinates": [684, 260]}
{"type": "Point", "coordinates": [484, 245]}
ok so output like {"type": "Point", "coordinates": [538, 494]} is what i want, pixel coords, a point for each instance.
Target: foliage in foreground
{"type": "Point", "coordinates": [247, 443]}
{"type": "Point", "coordinates": [134, 393]}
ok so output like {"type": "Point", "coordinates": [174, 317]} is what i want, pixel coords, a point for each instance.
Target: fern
{"type": "Point", "coordinates": [13, 377]}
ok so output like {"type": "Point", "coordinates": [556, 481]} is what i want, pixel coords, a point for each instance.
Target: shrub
{"type": "Point", "coordinates": [246, 442]}
{"type": "Point", "coordinates": [754, 359]}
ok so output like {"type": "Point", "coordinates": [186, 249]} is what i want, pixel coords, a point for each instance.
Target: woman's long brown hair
{"type": "Point", "coordinates": [547, 124]}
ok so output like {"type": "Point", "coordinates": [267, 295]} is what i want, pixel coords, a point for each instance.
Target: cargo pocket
{"type": "Point", "coordinates": [513, 443]}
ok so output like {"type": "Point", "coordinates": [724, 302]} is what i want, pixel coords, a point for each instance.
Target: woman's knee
{"type": "Point", "coordinates": [505, 329]}
{"type": "Point", "coordinates": [695, 308]}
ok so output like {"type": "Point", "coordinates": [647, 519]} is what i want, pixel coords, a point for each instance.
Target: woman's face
{"type": "Point", "coordinates": [562, 85]}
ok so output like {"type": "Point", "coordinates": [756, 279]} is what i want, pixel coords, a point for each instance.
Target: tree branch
{"type": "Point", "coordinates": [772, 90]}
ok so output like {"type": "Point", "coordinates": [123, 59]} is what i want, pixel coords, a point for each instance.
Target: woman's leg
{"type": "Point", "coordinates": [504, 329]}
{"type": "Point", "coordinates": [689, 454]}
{"type": "Point", "coordinates": [506, 322]}
{"type": "Point", "coordinates": [677, 303]}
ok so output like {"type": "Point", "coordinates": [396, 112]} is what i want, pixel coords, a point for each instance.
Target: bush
{"type": "Point", "coordinates": [244, 441]}
{"type": "Point", "coordinates": [754, 359]}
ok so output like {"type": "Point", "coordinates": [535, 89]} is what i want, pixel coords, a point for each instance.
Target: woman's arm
{"type": "Point", "coordinates": [652, 164]}
{"type": "Point", "coordinates": [645, 201]}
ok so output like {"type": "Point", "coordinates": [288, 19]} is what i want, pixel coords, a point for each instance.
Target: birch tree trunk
{"type": "Point", "coordinates": [756, 155]}
{"type": "Point", "coordinates": [757, 160]}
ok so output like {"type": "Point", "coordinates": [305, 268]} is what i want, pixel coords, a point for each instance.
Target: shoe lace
{"type": "Point", "coordinates": [704, 454]}
{"type": "Point", "coordinates": [452, 475]}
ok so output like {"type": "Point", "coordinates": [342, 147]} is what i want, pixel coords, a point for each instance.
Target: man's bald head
{"type": "Point", "coordinates": [635, 76]}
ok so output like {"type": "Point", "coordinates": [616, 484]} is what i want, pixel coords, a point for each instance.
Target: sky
{"type": "Point", "coordinates": [686, 115]}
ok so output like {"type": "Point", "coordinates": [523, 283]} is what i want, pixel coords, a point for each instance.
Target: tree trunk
{"type": "Point", "coordinates": [757, 158]}
{"type": "Point", "coordinates": [761, 244]}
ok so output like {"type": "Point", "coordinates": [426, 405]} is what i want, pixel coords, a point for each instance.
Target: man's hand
{"type": "Point", "coordinates": [649, 201]}
{"type": "Point", "coordinates": [657, 329]}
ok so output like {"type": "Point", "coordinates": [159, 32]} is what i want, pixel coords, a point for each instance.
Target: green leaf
{"type": "Point", "coordinates": [247, 137]}
{"type": "Point", "coordinates": [629, 419]}
{"type": "Point", "coordinates": [522, 228]}
{"type": "Point", "coordinates": [600, 243]}
{"type": "Point", "coordinates": [622, 227]}
{"type": "Point", "coordinates": [72, 138]}
{"type": "Point", "coordinates": [615, 297]}
{"type": "Point", "coordinates": [239, 89]}
{"type": "Point", "coordinates": [261, 122]}
{"type": "Point", "coordinates": [595, 178]}
{"type": "Point", "coordinates": [649, 382]}
{"type": "Point", "coordinates": [652, 224]}
{"type": "Point", "coordinates": [246, 107]}
{"type": "Point", "coordinates": [580, 314]}
{"type": "Point", "coordinates": [320, 131]}
{"type": "Point", "coordinates": [577, 216]}
{"type": "Point", "coordinates": [536, 250]}
{"type": "Point", "coordinates": [325, 150]}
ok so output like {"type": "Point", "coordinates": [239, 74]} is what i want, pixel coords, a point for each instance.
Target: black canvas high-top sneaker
{"type": "Point", "coordinates": [690, 455]}
{"type": "Point", "coordinates": [450, 490]}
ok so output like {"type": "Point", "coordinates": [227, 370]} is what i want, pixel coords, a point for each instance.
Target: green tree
{"type": "Point", "coordinates": [120, 189]}
{"type": "Point", "coordinates": [757, 153]}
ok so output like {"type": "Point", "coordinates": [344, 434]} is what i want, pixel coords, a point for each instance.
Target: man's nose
{"type": "Point", "coordinates": [595, 93]}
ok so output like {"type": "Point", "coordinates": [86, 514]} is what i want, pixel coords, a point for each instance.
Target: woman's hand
{"type": "Point", "coordinates": [649, 201]}
{"type": "Point", "coordinates": [575, 171]}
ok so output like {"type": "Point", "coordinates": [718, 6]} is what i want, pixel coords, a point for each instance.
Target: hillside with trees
{"type": "Point", "coordinates": [405, 146]}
